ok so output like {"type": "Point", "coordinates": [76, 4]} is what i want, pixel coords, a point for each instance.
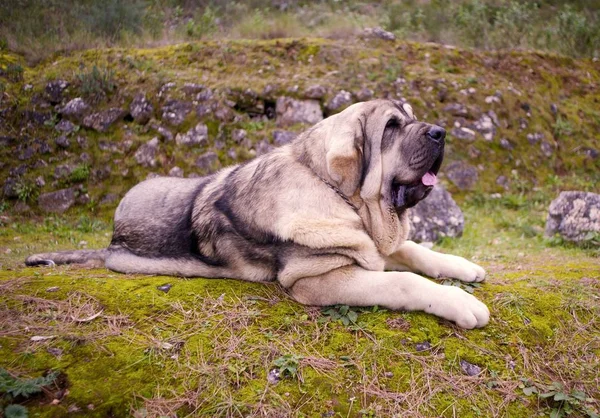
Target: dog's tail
{"type": "Point", "coordinates": [92, 258]}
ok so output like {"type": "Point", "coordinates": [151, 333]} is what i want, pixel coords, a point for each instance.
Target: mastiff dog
{"type": "Point", "coordinates": [325, 216]}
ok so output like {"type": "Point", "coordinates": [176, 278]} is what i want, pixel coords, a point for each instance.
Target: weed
{"type": "Point", "coordinates": [562, 127]}
{"type": "Point", "coordinates": [288, 365]}
{"type": "Point", "coordinates": [79, 174]}
{"type": "Point", "coordinates": [13, 72]}
{"type": "Point", "coordinates": [26, 191]}
{"type": "Point", "coordinates": [564, 402]}
{"type": "Point", "coordinates": [13, 388]}
{"type": "Point", "coordinates": [339, 313]}
{"type": "Point", "coordinates": [97, 83]}
{"type": "Point", "coordinates": [467, 287]}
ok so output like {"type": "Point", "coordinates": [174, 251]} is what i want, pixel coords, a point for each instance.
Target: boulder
{"type": "Point", "coordinates": [58, 201]}
{"type": "Point", "coordinates": [340, 101]}
{"type": "Point", "coordinates": [174, 112]}
{"type": "Point", "coordinates": [102, 121]}
{"type": "Point", "coordinates": [378, 33]}
{"type": "Point", "coordinates": [435, 217]}
{"type": "Point", "coordinates": [207, 162]}
{"type": "Point", "coordinates": [55, 90]}
{"type": "Point", "coordinates": [315, 91]}
{"type": "Point", "coordinates": [456, 109]}
{"type": "Point", "coordinates": [176, 172]}
{"type": "Point", "coordinates": [364, 94]}
{"type": "Point", "coordinates": [197, 136]}
{"type": "Point", "coordinates": [290, 111]}
{"type": "Point", "coordinates": [74, 110]}
{"type": "Point", "coordinates": [65, 126]}
{"type": "Point", "coordinates": [462, 175]}
{"type": "Point", "coordinates": [146, 154]}
{"type": "Point", "coordinates": [463, 133]}
{"type": "Point", "coordinates": [574, 215]}
{"type": "Point", "coordinates": [283, 137]}
{"type": "Point", "coordinates": [141, 109]}
{"type": "Point", "coordinates": [485, 126]}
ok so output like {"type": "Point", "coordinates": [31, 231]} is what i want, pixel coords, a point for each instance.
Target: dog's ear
{"type": "Point", "coordinates": [344, 159]}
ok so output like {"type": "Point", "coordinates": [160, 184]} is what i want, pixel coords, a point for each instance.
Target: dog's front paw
{"type": "Point", "coordinates": [462, 269]}
{"type": "Point", "coordinates": [460, 307]}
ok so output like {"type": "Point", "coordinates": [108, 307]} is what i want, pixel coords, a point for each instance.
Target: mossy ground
{"type": "Point", "coordinates": [207, 346]}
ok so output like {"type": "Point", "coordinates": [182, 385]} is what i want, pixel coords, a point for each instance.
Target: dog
{"type": "Point", "coordinates": [325, 216]}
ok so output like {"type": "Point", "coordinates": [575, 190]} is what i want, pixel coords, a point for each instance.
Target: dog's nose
{"type": "Point", "coordinates": [436, 134]}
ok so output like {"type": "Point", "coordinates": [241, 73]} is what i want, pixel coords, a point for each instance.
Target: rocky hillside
{"type": "Point", "coordinates": [82, 129]}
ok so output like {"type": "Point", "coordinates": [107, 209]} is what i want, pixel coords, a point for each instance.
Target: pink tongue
{"type": "Point", "coordinates": [429, 179]}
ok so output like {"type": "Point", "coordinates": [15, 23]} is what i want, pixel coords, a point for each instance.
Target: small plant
{"type": "Point", "coordinates": [79, 173]}
{"type": "Point", "coordinates": [564, 402]}
{"type": "Point", "coordinates": [288, 365]}
{"type": "Point", "coordinates": [96, 84]}
{"type": "Point", "coordinates": [14, 72]}
{"type": "Point", "coordinates": [26, 191]}
{"type": "Point", "coordinates": [205, 25]}
{"type": "Point", "coordinates": [562, 127]}
{"type": "Point", "coordinates": [467, 287]}
{"type": "Point", "coordinates": [12, 387]}
{"type": "Point", "coordinates": [339, 313]}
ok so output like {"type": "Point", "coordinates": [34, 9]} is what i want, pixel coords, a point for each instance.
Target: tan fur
{"type": "Point", "coordinates": [318, 215]}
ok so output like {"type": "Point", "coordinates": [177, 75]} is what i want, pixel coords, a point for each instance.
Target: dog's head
{"type": "Point", "coordinates": [379, 149]}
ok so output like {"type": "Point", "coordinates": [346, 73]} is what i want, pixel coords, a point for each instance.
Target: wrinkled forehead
{"type": "Point", "coordinates": [405, 109]}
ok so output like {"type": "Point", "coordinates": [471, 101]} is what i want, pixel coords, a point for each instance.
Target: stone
{"type": "Point", "coordinates": [574, 215]}
{"type": "Point", "coordinates": [40, 182]}
{"type": "Point", "coordinates": [197, 136]}
{"type": "Point", "coordinates": [262, 147]}
{"type": "Point", "coordinates": [246, 101]}
{"type": "Point", "coordinates": [364, 94]}
{"type": "Point", "coordinates": [164, 133]}
{"type": "Point", "coordinates": [10, 187]}
{"type": "Point", "coordinates": [462, 175]}
{"type": "Point", "coordinates": [340, 101]}
{"type": "Point", "coordinates": [456, 109]}
{"type": "Point", "coordinates": [506, 144]}
{"type": "Point", "coordinates": [283, 137]}
{"type": "Point", "coordinates": [377, 33]}
{"type": "Point", "coordinates": [102, 121]}
{"type": "Point", "coordinates": [469, 369]}
{"type": "Point", "coordinates": [146, 154]}
{"type": "Point", "coordinates": [290, 111]}
{"type": "Point", "coordinates": [58, 201]}
{"type": "Point", "coordinates": [74, 110]}
{"type": "Point", "coordinates": [547, 148]}
{"type": "Point", "coordinates": [65, 126]}
{"type": "Point", "coordinates": [238, 135]}
{"type": "Point", "coordinates": [204, 95]}
{"type": "Point", "coordinates": [63, 171]}
{"type": "Point", "coordinates": [485, 126]}
{"type": "Point", "coordinates": [224, 113]}
{"type": "Point", "coordinates": [463, 133]}
{"type": "Point", "coordinates": [82, 141]}
{"type": "Point", "coordinates": [174, 112]}
{"type": "Point", "coordinates": [55, 90]}
{"type": "Point", "coordinates": [207, 162]}
{"type": "Point", "coordinates": [62, 141]}
{"type": "Point", "coordinates": [315, 91]}
{"type": "Point", "coordinates": [176, 172]}
{"type": "Point", "coordinates": [192, 88]}
{"type": "Point", "coordinates": [141, 109]}
{"type": "Point", "coordinates": [435, 217]}
{"type": "Point", "coordinates": [503, 181]}
{"type": "Point", "coordinates": [534, 138]}
{"type": "Point", "coordinates": [109, 198]}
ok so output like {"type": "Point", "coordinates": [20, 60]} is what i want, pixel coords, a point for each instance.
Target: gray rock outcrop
{"type": "Point", "coordinates": [58, 201]}
{"type": "Point", "coordinates": [290, 111]}
{"type": "Point", "coordinates": [141, 109]}
{"type": "Point", "coordinates": [146, 154]}
{"type": "Point", "coordinates": [198, 135]}
{"type": "Point", "coordinates": [75, 109]}
{"type": "Point", "coordinates": [102, 121]}
{"type": "Point", "coordinates": [435, 217]}
{"type": "Point", "coordinates": [574, 215]}
{"type": "Point", "coordinates": [463, 176]}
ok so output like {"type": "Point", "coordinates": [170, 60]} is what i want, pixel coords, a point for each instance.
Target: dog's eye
{"type": "Point", "coordinates": [392, 123]}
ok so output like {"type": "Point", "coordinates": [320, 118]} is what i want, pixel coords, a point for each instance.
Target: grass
{"type": "Point", "coordinates": [562, 26]}
{"type": "Point", "coordinates": [229, 348]}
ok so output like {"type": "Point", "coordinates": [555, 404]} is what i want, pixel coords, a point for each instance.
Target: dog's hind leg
{"type": "Point", "coordinates": [123, 261]}
{"type": "Point", "coordinates": [88, 258]}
